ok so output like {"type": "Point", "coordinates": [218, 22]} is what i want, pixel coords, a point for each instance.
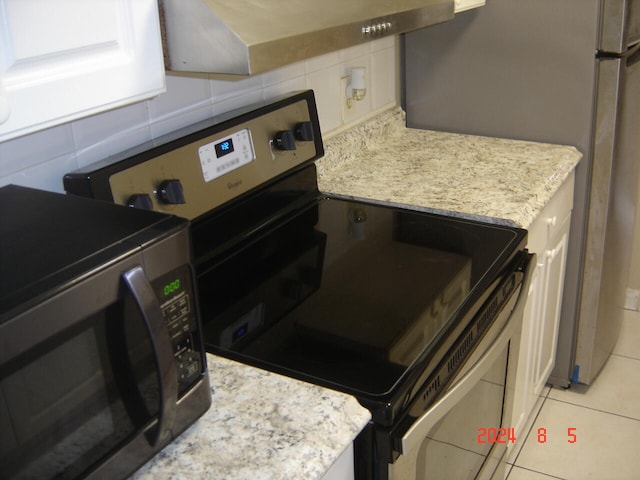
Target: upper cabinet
{"type": "Point", "coordinates": [462, 5]}
{"type": "Point", "coordinates": [65, 59]}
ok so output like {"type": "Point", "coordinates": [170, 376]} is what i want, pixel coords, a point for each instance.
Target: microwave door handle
{"type": "Point", "coordinates": [151, 312]}
{"type": "Point", "coordinates": [415, 435]}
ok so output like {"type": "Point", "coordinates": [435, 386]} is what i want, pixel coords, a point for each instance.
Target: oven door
{"type": "Point", "coordinates": [463, 435]}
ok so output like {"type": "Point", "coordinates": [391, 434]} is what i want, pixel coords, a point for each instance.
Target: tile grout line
{"type": "Point", "coordinates": [593, 409]}
{"type": "Point", "coordinates": [536, 471]}
{"type": "Point", "coordinates": [625, 356]}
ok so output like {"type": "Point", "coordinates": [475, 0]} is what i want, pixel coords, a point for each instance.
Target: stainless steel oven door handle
{"type": "Point", "coordinates": [416, 434]}
{"type": "Point", "coordinates": [151, 312]}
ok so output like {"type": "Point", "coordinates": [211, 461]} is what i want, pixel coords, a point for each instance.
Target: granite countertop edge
{"type": "Point", "coordinates": [261, 425]}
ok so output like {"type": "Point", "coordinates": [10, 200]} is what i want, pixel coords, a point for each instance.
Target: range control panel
{"type": "Point", "coordinates": [210, 165]}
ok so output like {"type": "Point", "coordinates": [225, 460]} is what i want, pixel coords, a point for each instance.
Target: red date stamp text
{"type": "Point", "coordinates": [508, 435]}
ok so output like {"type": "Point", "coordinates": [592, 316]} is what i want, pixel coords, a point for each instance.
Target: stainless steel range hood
{"type": "Point", "coordinates": [244, 37]}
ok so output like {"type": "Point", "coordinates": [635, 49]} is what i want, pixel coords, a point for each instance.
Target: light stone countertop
{"type": "Point", "coordinates": [261, 426]}
{"type": "Point", "coordinates": [490, 179]}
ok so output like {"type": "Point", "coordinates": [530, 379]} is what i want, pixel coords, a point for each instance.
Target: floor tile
{"type": "Point", "coordinates": [629, 339]}
{"type": "Point", "coordinates": [605, 448]}
{"type": "Point", "coordinates": [518, 473]}
{"type": "Point", "coordinates": [615, 390]}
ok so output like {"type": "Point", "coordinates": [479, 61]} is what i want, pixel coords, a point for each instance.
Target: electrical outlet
{"type": "Point", "coordinates": [353, 109]}
{"type": "Point", "coordinates": [348, 104]}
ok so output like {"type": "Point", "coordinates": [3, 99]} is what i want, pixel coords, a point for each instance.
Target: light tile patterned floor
{"type": "Point", "coordinates": [606, 418]}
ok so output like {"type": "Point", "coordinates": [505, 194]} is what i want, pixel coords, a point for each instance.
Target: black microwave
{"type": "Point", "coordinates": [101, 357]}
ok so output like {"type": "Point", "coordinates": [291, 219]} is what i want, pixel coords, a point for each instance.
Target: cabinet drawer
{"type": "Point", "coordinates": [559, 208]}
{"type": "Point", "coordinates": [549, 223]}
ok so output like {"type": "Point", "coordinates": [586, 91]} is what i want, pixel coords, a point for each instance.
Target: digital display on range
{"type": "Point", "coordinates": [224, 148]}
{"type": "Point", "coordinates": [223, 156]}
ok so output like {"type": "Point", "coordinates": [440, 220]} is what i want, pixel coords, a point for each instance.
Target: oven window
{"type": "Point", "coordinates": [464, 442]}
{"type": "Point", "coordinates": [67, 403]}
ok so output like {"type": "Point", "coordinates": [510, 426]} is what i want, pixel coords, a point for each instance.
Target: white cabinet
{"type": "Point", "coordinates": [554, 261]}
{"type": "Point", "coordinates": [548, 236]}
{"type": "Point", "coordinates": [64, 59]}
{"type": "Point", "coordinates": [462, 5]}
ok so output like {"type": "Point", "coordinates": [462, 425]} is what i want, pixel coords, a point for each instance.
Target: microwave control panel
{"type": "Point", "coordinates": [175, 294]}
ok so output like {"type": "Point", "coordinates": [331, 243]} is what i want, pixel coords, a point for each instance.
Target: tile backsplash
{"type": "Point", "coordinates": [40, 159]}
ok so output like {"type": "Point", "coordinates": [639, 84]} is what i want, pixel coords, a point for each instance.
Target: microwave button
{"type": "Point", "coordinates": [188, 366]}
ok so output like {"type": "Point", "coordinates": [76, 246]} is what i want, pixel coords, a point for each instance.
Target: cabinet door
{"type": "Point", "coordinates": [524, 393]}
{"type": "Point", "coordinates": [64, 59]}
{"type": "Point", "coordinates": [554, 266]}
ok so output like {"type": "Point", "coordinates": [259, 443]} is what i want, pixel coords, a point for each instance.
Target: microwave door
{"type": "Point", "coordinates": [51, 402]}
{"type": "Point", "coordinates": [84, 379]}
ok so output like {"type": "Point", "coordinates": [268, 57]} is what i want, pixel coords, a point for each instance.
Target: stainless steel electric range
{"type": "Point", "coordinates": [409, 312]}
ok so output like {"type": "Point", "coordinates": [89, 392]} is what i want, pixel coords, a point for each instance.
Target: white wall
{"type": "Point", "coordinates": [41, 159]}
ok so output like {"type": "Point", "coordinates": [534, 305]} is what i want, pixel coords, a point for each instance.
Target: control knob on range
{"type": "Point", "coordinates": [304, 131]}
{"type": "Point", "coordinates": [140, 200]}
{"type": "Point", "coordinates": [284, 140]}
{"type": "Point", "coordinates": [170, 191]}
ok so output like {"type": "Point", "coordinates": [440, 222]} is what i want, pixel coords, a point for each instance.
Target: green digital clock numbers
{"type": "Point", "coordinates": [171, 287]}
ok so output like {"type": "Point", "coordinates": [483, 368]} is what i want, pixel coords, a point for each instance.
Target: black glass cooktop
{"type": "Point", "coordinates": [345, 294]}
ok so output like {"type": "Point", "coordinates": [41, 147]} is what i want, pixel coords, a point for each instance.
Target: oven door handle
{"type": "Point", "coordinates": [156, 327]}
{"type": "Point", "coordinates": [419, 430]}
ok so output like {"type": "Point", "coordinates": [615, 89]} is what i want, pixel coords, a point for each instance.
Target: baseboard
{"type": "Point", "coordinates": [633, 300]}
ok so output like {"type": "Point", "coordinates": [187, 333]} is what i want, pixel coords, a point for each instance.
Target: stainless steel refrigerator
{"type": "Point", "coordinates": [558, 71]}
